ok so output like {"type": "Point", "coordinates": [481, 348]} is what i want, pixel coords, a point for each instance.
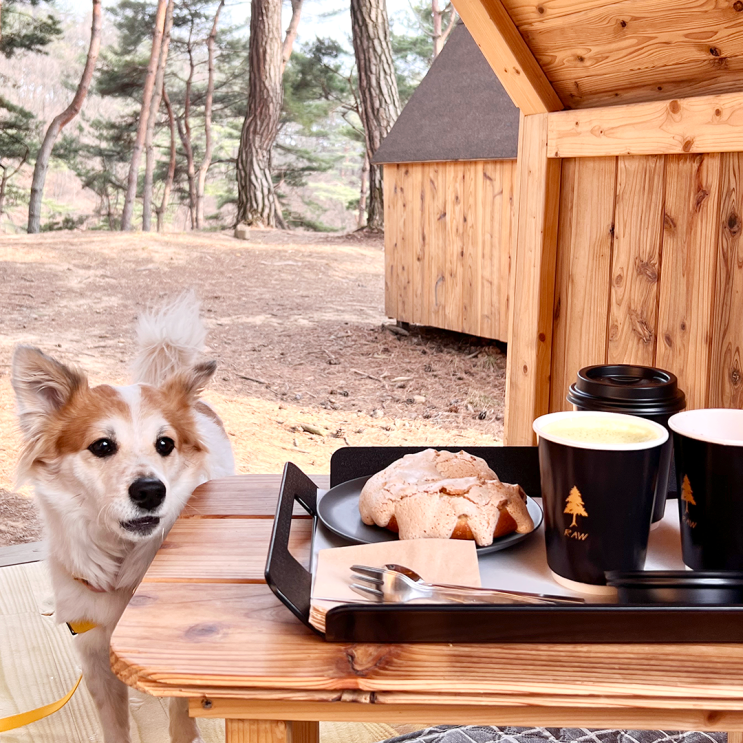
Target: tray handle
{"type": "Point", "coordinates": [285, 576]}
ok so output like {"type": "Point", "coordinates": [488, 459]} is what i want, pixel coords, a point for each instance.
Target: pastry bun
{"type": "Point", "coordinates": [445, 495]}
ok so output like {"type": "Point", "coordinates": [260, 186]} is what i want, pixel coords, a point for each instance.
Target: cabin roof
{"type": "Point", "coordinates": [460, 111]}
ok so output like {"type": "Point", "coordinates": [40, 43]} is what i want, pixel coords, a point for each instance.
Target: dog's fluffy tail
{"type": "Point", "coordinates": [169, 339]}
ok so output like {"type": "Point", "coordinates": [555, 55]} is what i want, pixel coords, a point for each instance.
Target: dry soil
{"type": "Point", "coordinates": [308, 361]}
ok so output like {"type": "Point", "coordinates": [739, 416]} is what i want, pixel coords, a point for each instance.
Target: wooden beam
{"type": "Point", "coordinates": [682, 126]}
{"type": "Point", "coordinates": [524, 714]}
{"type": "Point", "coordinates": [532, 287]}
{"type": "Point", "coordinates": [509, 56]}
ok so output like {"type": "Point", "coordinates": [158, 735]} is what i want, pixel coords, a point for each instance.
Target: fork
{"type": "Point", "coordinates": [390, 586]}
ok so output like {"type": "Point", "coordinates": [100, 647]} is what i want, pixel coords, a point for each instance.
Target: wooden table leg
{"type": "Point", "coordinates": [309, 732]}
{"type": "Point", "coordinates": [271, 731]}
{"type": "Point", "coordinates": [257, 731]}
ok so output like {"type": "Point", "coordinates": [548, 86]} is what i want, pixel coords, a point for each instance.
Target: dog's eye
{"type": "Point", "coordinates": [164, 446]}
{"type": "Point", "coordinates": [103, 448]}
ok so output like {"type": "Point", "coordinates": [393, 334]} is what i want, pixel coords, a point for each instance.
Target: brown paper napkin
{"type": "Point", "coordinates": [436, 560]}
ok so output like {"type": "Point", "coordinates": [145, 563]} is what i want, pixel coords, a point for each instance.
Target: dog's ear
{"type": "Point", "coordinates": [191, 383]}
{"type": "Point", "coordinates": [42, 384]}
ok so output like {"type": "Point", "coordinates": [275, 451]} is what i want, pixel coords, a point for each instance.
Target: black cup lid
{"type": "Point", "coordinates": [643, 389]}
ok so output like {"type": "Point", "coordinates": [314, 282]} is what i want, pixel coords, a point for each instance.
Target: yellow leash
{"type": "Point", "coordinates": [33, 715]}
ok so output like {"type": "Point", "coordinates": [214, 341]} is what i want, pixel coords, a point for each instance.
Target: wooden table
{"type": "Point", "coordinates": [205, 626]}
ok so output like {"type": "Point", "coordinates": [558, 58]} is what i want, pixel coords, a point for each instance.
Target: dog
{"type": "Point", "coordinates": [112, 468]}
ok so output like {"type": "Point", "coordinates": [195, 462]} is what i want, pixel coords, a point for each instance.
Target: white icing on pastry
{"type": "Point", "coordinates": [431, 492]}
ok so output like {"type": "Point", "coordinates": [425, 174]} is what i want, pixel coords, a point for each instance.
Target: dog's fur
{"type": "Point", "coordinates": [101, 537]}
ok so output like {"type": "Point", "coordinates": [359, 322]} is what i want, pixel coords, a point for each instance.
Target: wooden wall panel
{"type": "Point", "coordinates": [454, 284]}
{"type": "Point", "coordinates": [391, 205]}
{"type": "Point", "coordinates": [583, 273]}
{"type": "Point", "coordinates": [447, 244]}
{"type": "Point", "coordinates": [692, 208]}
{"type": "Point", "coordinates": [532, 283]}
{"type": "Point", "coordinates": [636, 261]}
{"type": "Point", "coordinates": [726, 382]}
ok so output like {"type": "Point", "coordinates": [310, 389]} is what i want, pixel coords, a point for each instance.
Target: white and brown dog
{"type": "Point", "coordinates": [112, 468]}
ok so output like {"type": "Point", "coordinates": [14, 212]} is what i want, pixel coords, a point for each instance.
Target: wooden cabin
{"type": "Point", "coordinates": [449, 164]}
{"type": "Point", "coordinates": [629, 205]}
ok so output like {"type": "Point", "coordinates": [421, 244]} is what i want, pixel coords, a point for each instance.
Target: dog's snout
{"type": "Point", "coordinates": [147, 492]}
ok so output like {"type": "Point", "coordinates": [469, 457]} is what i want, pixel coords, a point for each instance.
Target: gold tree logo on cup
{"type": "Point", "coordinates": [575, 505]}
{"type": "Point", "coordinates": [687, 494]}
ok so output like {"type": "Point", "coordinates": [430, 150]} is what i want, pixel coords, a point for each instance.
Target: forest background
{"type": "Point", "coordinates": [319, 160]}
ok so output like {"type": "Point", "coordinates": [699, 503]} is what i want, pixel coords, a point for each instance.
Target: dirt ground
{"type": "Point", "coordinates": [308, 361]}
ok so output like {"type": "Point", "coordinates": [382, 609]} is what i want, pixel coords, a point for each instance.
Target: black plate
{"type": "Point", "coordinates": [339, 511]}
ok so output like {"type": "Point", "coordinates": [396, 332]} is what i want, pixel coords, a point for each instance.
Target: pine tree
{"type": "Point", "coordinates": [687, 494]}
{"type": "Point", "coordinates": [575, 505]}
{"type": "Point", "coordinates": [22, 30]}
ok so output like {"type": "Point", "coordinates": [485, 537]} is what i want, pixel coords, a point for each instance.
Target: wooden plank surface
{"type": "Point", "coordinates": [242, 496]}
{"type": "Point", "coordinates": [417, 242]}
{"type": "Point", "coordinates": [521, 715]}
{"type": "Point", "coordinates": [532, 283]}
{"type": "Point", "coordinates": [207, 636]}
{"type": "Point", "coordinates": [226, 550]}
{"type": "Point", "coordinates": [438, 191]}
{"type": "Point", "coordinates": [472, 247]}
{"type": "Point", "coordinates": [726, 377]}
{"type": "Point", "coordinates": [583, 275]}
{"type": "Point", "coordinates": [685, 312]}
{"type": "Point", "coordinates": [636, 263]}
{"type": "Point", "coordinates": [257, 731]}
{"type": "Point", "coordinates": [680, 126]}
{"type": "Point", "coordinates": [599, 54]}
{"type": "Point", "coordinates": [454, 285]}
{"type": "Point", "coordinates": [391, 238]}
{"type": "Point", "coordinates": [508, 221]}
{"type": "Point", "coordinates": [508, 54]}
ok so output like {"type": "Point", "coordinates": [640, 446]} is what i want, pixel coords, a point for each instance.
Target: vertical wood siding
{"type": "Point", "coordinates": [447, 244]}
{"type": "Point", "coordinates": [650, 271]}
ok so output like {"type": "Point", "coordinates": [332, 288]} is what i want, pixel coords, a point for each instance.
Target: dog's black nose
{"type": "Point", "coordinates": [147, 492]}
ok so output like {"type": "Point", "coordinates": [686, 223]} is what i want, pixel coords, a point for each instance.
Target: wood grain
{"type": "Point", "coordinates": [680, 126]}
{"type": "Point", "coordinates": [305, 731]}
{"type": "Point", "coordinates": [207, 636]}
{"type": "Point", "coordinates": [509, 56]}
{"type": "Point", "coordinates": [257, 731]}
{"type": "Point", "coordinates": [636, 262]}
{"type": "Point", "coordinates": [242, 496]}
{"type": "Point", "coordinates": [726, 377]}
{"type": "Point", "coordinates": [685, 311]}
{"type": "Point", "coordinates": [456, 247]}
{"type": "Point", "coordinates": [392, 199]}
{"type": "Point", "coordinates": [454, 284]}
{"type": "Point", "coordinates": [508, 220]}
{"type": "Point", "coordinates": [417, 243]}
{"type": "Point", "coordinates": [633, 36]}
{"type": "Point", "coordinates": [583, 275]}
{"type": "Point", "coordinates": [532, 283]}
{"type": "Point", "coordinates": [225, 550]}
{"type": "Point", "coordinates": [487, 714]}
{"type": "Point", "coordinates": [472, 247]}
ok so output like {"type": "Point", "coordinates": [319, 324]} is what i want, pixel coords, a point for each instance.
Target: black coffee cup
{"type": "Point", "coordinates": [709, 469]}
{"type": "Point", "coordinates": [597, 495]}
{"type": "Point", "coordinates": [643, 391]}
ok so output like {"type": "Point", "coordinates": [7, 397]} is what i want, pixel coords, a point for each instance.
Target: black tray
{"type": "Point", "coordinates": [592, 623]}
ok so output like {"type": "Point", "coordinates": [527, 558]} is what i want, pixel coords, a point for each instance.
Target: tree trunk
{"type": "Point", "coordinates": [256, 204]}
{"type": "Point", "coordinates": [157, 96]}
{"type": "Point", "coordinates": [209, 146]}
{"type": "Point", "coordinates": [378, 94]}
{"type": "Point", "coordinates": [361, 220]}
{"type": "Point", "coordinates": [184, 131]}
{"type": "Point", "coordinates": [60, 121]}
{"type": "Point", "coordinates": [291, 33]}
{"type": "Point", "coordinates": [440, 36]}
{"type": "Point", "coordinates": [160, 211]}
{"type": "Point", "coordinates": [149, 86]}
